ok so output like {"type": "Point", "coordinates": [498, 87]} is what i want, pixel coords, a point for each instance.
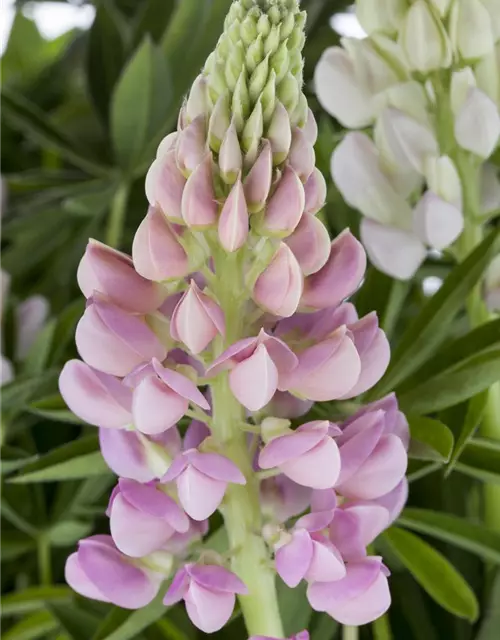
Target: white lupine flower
{"type": "Point", "coordinates": [477, 124]}
{"type": "Point", "coordinates": [470, 28]}
{"type": "Point", "coordinates": [443, 179]}
{"type": "Point", "coordinates": [492, 6]}
{"type": "Point", "coordinates": [442, 6]}
{"type": "Point", "coordinates": [396, 252]}
{"type": "Point", "coordinates": [487, 72]}
{"type": "Point", "coordinates": [461, 82]}
{"type": "Point", "coordinates": [359, 176]}
{"type": "Point", "coordinates": [380, 15]}
{"type": "Point", "coordinates": [424, 39]}
{"type": "Point", "coordinates": [436, 222]}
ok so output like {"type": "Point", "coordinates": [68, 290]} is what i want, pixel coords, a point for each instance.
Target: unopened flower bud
{"type": "Point", "coordinates": [241, 102]}
{"type": "Point", "coordinates": [199, 207]}
{"type": "Point", "coordinates": [470, 29]}
{"type": "Point", "coordinates": [165, 186]}
{"type": "Point", "coordinates": [285, 207]}
{"type": "Point", "coordinates": [487, 73]}
{"type": "Point", "coordinates": [315, 192]}
{"type": "Point", "coordinates": [219, 122]}
{"type": "Point", "coordinates": [380, 15]}
{"type": "Point", "coordinates": [288, 92]}
{"type": "Point", "coordinates": [279, 287]}
{"type": "Point", "coordinates": [461, 82]}
{"type": "Point", "coordinates": [197, 103]}
{"type": "Point", "coordinates": [230, 157]}
{"type": "Point", "coordinates": [424, 39]}
{"type": "Point", "coordinates": [280, 133]}
{"type": "Point", "coordinates": [233, 220]}
{"type": "Point", "coordinates": [258, 181]}
{"type": "Point", "coordinates": [310, 244]}
{"type": "Point", "coordinates": [253, 129]}
{"type": "Point", "coordinates": [301, 157]}
{"type": "Point", "coordinates": [191, 145]}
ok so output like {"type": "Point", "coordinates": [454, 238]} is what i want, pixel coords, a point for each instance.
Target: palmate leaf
{"type": "Point", "coordinates": [431, 326]}
{"type": "Point", "coordinates": [433, 572]}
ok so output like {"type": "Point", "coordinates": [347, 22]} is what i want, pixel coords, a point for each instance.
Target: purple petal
{"type": "Point", "coordinates": [319, 468]}
{"type": "Point", "coordinates": [255, 380]}
{"type": "Point", "coordinates": [178, 588]}
{"type": "Point", "coordinates": [208, 610]}
{"type": "Point", "coordinates": [215, 466]}
{"type": "Point", "coordinates": [355, 451]}
{"type": "Point", "coordinates": [195, 434]}
{"type": "Point", "coordinates": [216, 578]}
{"type": "Point", "coordinates": [315, 521]}
{"type": "Point", "coordinates": [280, 353]}
{"type": "Point", "coordinates": [372, 518]}
{"type": "Point", "coordinates": [345, 533]}
{"type": "Point", "coordinates": [175, 469]}
{"type": "Point", "coordinates": [78, 580]}
{"type": "Point", "coordinates": [293, 559]}
{"type": "Point", "coordinates": [181, 385]}
{"type": "Point", "coordinates": [199, 495]}
{"type": "Point", "coordinates": [288, 447]}
{"type": "Point", "coordinates": [326, 564]}
{"type": "Point", "coordinates": [150, 500]}
{"type": "Point", "coordinates": [156, 407]}
{"type": "Point", "coordinates": [124, 453]}
{"type": "Point", "coordinates": [236, 353]}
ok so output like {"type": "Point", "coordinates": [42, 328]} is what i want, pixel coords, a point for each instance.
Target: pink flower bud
{"type": "Point", "coordinates": [327, 370]}
{"type": "Point", "coordinates": [167, 144]}
{"type": "Point", "coordinates": [308, 455]}
{"type": "Point", "coordinates": [373, 460]}
{"type": "Point", "coordinates": [374, 351]}
{"type": "Point", "coordinates": [230, 158]}
{"type": "Point", "coordinates": [112, 273]}
{"type": "Point", "coordinates": [258, 181]}
{"type": "Point", "coordinates": [309, 555]}
{"type": "Point", "coordinates": [285, 207]}
{"type": "Point", "coordinates": [113, 341]}
{"type": "Point", "coordinates": [165, 185]}
{"type": "Point", "coordinates": [191, 145]}
{"type": "Point", "coordinates": [197, 102]}
{"type": "Point", "coordinates": [315, 192]}
{"type": "Point", "coordinates": [132, 455]}
{"type": "Point", "coordinates": [359, 598]}
{"type": "Point", "coordinates": [340, 277]}
{"type": "Point", "coordinates": [301, 157]}
{"type": "Point", "coordinates": [99, 571]}
{"type": "Point", "coordinates": [161, 397]}
{"type": "Point", "coordinates": [279, 133]}
{"type": "Point", "coordinates": [257, 365]}
{"type": "Point", "coordinates": [199, 207]}
{"type": "Point", "coordinates": [279, 287]}
{"type": "Point", "coordinates": [156, 252]}
{"type": "Point", "coordinates": [233, 221]}
{"type": "Point", "coordinates": [311, 128]}
{"type": "Point", "coordinates": [436, 222]}
{"type": "Point", "coordinates": [97, 398]}
{"type": "Point", "coordinates": [196, 320]}
{"type": "Point", "coordinates": [208, 592]}
{"type": "Point", "coordinates": [310, 244]}
{"type": "Point", "coordinates": [201, 480]}
{"type": "Point", "coordinates": [142, 518]}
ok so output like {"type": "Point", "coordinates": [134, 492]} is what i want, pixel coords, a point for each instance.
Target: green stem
{"type": "Point", "coordinates": [478, 314]}
{"type": "Point", "coordinates": [116, 220]}
{"type": "Point", "coordinates": [44, 559]}
{"type": "Point", "coordinates": [350, 633]}
{"type": "Point", "coordinates": [241, 507]}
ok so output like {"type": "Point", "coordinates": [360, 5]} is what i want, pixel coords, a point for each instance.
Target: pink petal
{"type": "Point", "coordinates": [280, 353]}
{"type": "Point", "coordinates": [293, 559]}
{"type": "Point", "coordinates": [199, 207]}
{"type": "Point", "coordinates": [175, 469]}
{"type": "Point", "coordinates": [216, 578]}
{"type": "Point", "coordinates": [208, 610]}
{"type": "Point", "coordinates": [234, 354]}
{"type": "Point", "coordinates": [125, 455]}
{"type": "Point", "coordinates": [181, 385]}
{"type": "Point", "coordinates": [317, 521]}
{"type": "Point", "coordinates": [195, 434]}
{"type": "Point", "coordinates": [395, 500]}
{"type": "Point", "coordinates": [199, 495]}
{"type": "Point", "coordinates": [319, 468]}
{"type": "Point", "coordinates": [310, 244]}
{"type": "Point", "coordinates": [326, 564]}
{"type": "Point", "coordinates": [288, 447]}
{"type": "Point", "coordinates": [154, 502]}
{"type": "Point", "coordinates": [233, 220]}
{"type": "Point", "coordinates": [355, 451]}
{"type": "Point", "coordinates": [345, 533]}
{"type": "Point", "coordinates": [372, 518]}
{"type": "Point", "coordinates": [165, 186]}
{"type": "Point", "coordinates": [215, 466]}
{"type": "Point", "coordinates": [178, 588]}
{"type": "Point", "coordinates": [254, 381]}
{"type": "Point", "coordinates": [78, 580]}
{"type": "Point", "coordinates": [157, 408]}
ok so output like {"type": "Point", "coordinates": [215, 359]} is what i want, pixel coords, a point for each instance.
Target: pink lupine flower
{"type": "Point", "coordinates": [327, 370]}
{"type": "Point", "coordinates": [97, 398]}
{"type": "Point", "coordinates": [308, 455]}
{"type": "Point", "coordinates": [282, 498]}
{"type": "Point", "coordinates": [356, 525]}
{"type": "Point", "coordinates": [395, 500]}
{"type": "Point", "coordinates": [359, 598]}
{"type": "Point", "coordinates": [315, 192]}
{"type": "Point", "coordinates": [285, 405]}
{"type": "Point", "coordinates": [142, 518]}
{"type": "Point", "coordinates": [285, 207]}
{"type": "Point", "coordinates": [132, 455]}
{"type": "Point", "coordinates": [179, 544]}
{"type": "Point", "coordinates": [256, 365]}
{"type": "Point", "coordinates": [161, 397]}
{"type": "Point", "coordinates": [310, 244]}
{"type": "Point", "coordinates": [112, 274]}
{"type": "Point", "coordinates": [233, 220]}
{"type": "Point", "coordinates": [195, 434]}
{"type": "Point", "coordinates": [395, 420]}
{"type": "Point", "coordinates": [373, 460]}
{"type": "Point", "coordinates": [201, 480]}
{"type": "Point", "coordinates": [113, 341]}
{"type": "Point", "coordinates": [156, 251]}
{"type": "Point", "coordinates": [99, 571]}
{"type": "Point", "coordinates": [199, 207]}
{"type": "Point", "coordinates": [258, 181]}
{"type": "Point", "coordinates": [279, 287]}
{"type": "Point", "coordinates": [191, 145]}
{"type": "Point", "coordinates": [208, 592]}
{"type": "Point", "coordinates": [306, 553]}
{"type": "Point", "coordinates": [165, 185]}
{"type": "Point", "coordinates": [196, 319]}
{"type": "Point", "coordinates": [340, 276]}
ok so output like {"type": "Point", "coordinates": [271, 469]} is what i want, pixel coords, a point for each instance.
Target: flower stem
{"type": "Point", "coordinates": [350, 633]}
{"type": "Point", "coordinates": [116, 220]}
{"type": "Point", "coordinates": [44, 560]}
{"type": "Point", "coordinates": [241, 507]}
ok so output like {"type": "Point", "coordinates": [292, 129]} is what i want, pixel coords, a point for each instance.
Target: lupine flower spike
{"type": "Point", "coordinates": [231, 314]}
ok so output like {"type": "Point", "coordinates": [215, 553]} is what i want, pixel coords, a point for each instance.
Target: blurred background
{"type": "Point", "coordinates": [88, 91]}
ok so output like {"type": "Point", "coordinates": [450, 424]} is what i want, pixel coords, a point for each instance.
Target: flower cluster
{"type": "Point", "coordinates": [426, 79]}
{"type": "Point", "coordinates": [231, 312]}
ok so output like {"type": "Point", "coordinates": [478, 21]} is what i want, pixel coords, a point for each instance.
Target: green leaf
{"type": "Point", "coordinates": [294, 607]}
{"type": "Point", "coordinates": [491, 618]}
{"type": "Point", "coordinates": [481, 460]}
{"type": "Point", "coordinates": [14, 545]}
{"type": "Point", "coordinates": [38, 355]}
{"type": "Point", "coordinates": [32, 121]}
{"type": "Point", "coordinates": [78, 459]}
{"type": "Point", "coordinates": [127, 625]}
{"type": "Point", "coordinates": [382, 628]}
{"type": "Point", "coordinates": [434, 573]}
{"type": "Point", "coordinates": [153, 18]}
{"type": "Point", "coordinates": [462, 533]}
{"type": "Point", "coordinates": [105, 56]}
{"type": "Point", "coordinates": [33, 599]}
{"type": "Point", "coordinates": [325, 628]}
{"type": "Point", "coordinates": [430, 439]}
{"type": "Point", "coordinates": [457, 384]}
{"type": "Point", "coordinates": [54, 408]}
{"type": "Point", "coordinates": [68, 532]}
{"type": "Point", "coordinates": [473, 418]}
{"type": "Point", "coordinates": [32, 627]}
{"type": "Point", "coordinates": [78, 624]}
{"type": "Point", "coordinates": [134, 122]}
{"type": "Point", "coordinates": [18, 392]}
{"type": "Point", "coordinates": [432, 324]}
